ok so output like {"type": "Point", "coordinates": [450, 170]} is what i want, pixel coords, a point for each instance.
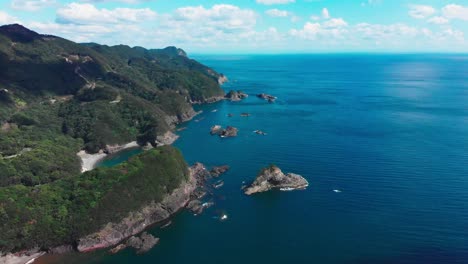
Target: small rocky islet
{"type": "Point", "coordinates": [272, 177]}
{"type": "Point", "coordinates": [235, 96]}
{"type": "Point", "coordinates": [229, 131]}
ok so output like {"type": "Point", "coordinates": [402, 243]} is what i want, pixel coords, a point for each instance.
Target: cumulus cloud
{"type": "Point", "coordinates": [275, 2]}
{"type": "Point", "coordinates": [5, 18]}
{"type": "Point", "coordinates": [277, 13]}
{"type": "Point", "coordinates": [335, 22]}
{"type": "Point", "coordinates": [86, 14]}
{"type": "Point", "coordinates": [421, 11]}
{"type": "Point", "coordinates": [438, 20]}
{"type": "Point", "coordinates": [325, 13]}
{"type": "Point", "coordinates": [31, 5]}
{"type": "Point", "coordinates": [453, 11]}
{"type": "Point", "coordinates": [219, 17]}
{"type": "Point", "coordinates": [333, 28]}
{"type": "Point", "coordinates": [117, 1]}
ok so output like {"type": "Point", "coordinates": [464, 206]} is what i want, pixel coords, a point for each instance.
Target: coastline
{"type": "Point", "coordinates": [89, 161]}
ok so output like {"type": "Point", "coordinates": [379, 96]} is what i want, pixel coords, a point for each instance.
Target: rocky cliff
{"type": "Point", "coordinates": [136, 222]}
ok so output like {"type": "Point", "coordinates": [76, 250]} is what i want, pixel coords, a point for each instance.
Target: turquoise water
{"type": "Point", "coordinates": [389, 131]}
{"type": "Point", "coordinates": [119, 157]}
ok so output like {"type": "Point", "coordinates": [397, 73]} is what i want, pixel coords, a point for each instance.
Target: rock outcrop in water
{"type": "Point", "coordinates": [273, 178]}
{"type": "Point", "coordinates": [142, 243]}
{"type": "Point", "coordinates": [229, 131]}
{"type": "Point", "coordinates": [216, 171]}
{"type": "Point", "coordinates": [236, 95]}
{"type": "Point", "coordinates": [267, 97]}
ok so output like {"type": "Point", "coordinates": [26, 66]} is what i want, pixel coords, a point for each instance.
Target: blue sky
{"type": "Point", "coordinates": [252, 26]}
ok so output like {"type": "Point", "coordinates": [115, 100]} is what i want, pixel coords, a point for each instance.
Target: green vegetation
{"type": "Point", "coordinates": [58, 97]}
{"type": "Point", "coordinates": [67, 209]}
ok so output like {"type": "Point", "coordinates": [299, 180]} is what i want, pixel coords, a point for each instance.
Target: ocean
{"type": "Point", "coordinates": [381, 138]}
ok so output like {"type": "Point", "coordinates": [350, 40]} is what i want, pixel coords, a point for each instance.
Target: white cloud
{"type": "Point", "coordinates": [453, 11]}
{"type": "Point", "coordinates": [31, 5]}
{"type": "Point", "coordinates": [314, 18]}
{"type": "Point", "coordinates": [117, 1]}
{"type": "Point", "coordinates": [5, 18]}
{"type": "Point", "coordinates": [277, 13]}
{"type": "Point", "coordinates": [421, 11]}
{"type": "Point", "coordinates": [325, 13]}
{"type": "Point", "coordinates": [219, 17]}
{"type": "Point", "coordinates": [438, 20]}
{"type": "Point", "coordinates": [333, 28]}
{"type": "Point", "coordinates": [275, 2]}
{"type": "Point", "coordinates": [371, 2]}
{"type": "Point", "coordinates": [335, 22]}
{"type": "Point", "coordinates": [86, 14]}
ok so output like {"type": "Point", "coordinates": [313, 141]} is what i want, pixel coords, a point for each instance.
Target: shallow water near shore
{"type": "Point", "coordinates": [382, 140]}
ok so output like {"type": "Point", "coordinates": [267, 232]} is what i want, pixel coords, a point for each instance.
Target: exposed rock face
{"type": "Point", "coordinates": [272, 177]}
{"type": "Point", "coordinates": [222, 79]}
{"type": "Point", "coordinates": [229, 132]}
{"type": "Point", "coordinates": [216, 171]}
{"type": "Point", "coordinates": [135, 222]}
{"type": "Point", "coordinates": [236, 95]}
{"type": "Point", "coordinates": [208, 100]}
{"type": "Point", "coordinates": [111, 149]}
{"type": "Point", "coordinates": [216, 129]}
{"type": "Point", "coordinates": [167, 139]}
{"type": "Point", "coordinates": [188, 115]}
{"type": "Point", "coordinates": [269, 98]}
{"type": "Point", "coordinates": [61, 249]}
{"type": "Point", "coordinates": [143, 243]}
{"type": "Point", "coordinates": [22, 257]}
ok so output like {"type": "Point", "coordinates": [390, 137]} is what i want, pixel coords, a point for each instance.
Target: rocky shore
{"type": "Point", "coordinates": [113, 233]}
{"type": "Point", "coordinates": [273, 178]}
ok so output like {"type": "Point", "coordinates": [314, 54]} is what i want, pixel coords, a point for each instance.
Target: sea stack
{"type": "Point", "coordinates": [236, 95]}
{"type": "Point", "coordinates": [273, 178]}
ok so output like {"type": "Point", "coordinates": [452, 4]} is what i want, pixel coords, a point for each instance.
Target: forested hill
{"type": "Point", "coordinates": [108, 94]}
{"type": "Point", "coordinates": [58, 97]}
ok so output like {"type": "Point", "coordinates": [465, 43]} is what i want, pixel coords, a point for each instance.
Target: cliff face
{"type": "Point", "coordinates": [136, 222]}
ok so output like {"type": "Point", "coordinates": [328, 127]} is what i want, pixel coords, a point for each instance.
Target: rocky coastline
{"type": "Point", "coordinates": [113, 233]}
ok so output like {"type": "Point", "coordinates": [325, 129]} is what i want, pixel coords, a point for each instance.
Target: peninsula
{"type": "Point", "coordinates": [63, 107]}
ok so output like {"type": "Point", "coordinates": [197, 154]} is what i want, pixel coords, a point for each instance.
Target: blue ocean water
{"type": "Point", "coordinates": [389, 131]}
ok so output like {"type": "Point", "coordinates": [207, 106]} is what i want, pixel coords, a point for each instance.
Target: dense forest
{"type": "Point", "coordinates": [58, 97]}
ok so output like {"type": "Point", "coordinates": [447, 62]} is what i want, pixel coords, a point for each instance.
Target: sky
{"type": "Point", "coordinates": [252, 26]}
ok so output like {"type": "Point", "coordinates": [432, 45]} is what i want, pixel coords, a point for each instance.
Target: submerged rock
{"type": "Point", "coordinates": [272, 177]}
{"type": "Point", "coordinates": [118, 248]}
{"type": "Point", "coordinates": [269, 98]}
{"type": "Point", "coordinates": [143, 243]}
